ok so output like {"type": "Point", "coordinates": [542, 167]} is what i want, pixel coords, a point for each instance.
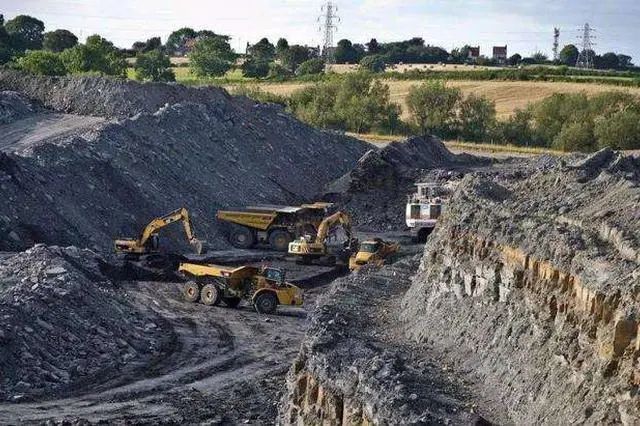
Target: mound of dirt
{"type": "Point", "coordinates": [376, 190]}
{"type": "Point", "coordinates": [65, 325]}
{"type": "Point", "coordinates": [109, 178]}
{"type": "Point", "coordinates": [13, 106]}
{"type": "Point", "coordinates": [532, 284]}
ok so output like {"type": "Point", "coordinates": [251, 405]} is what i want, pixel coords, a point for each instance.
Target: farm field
{"type": "Point", "coordinates": [508, 95]}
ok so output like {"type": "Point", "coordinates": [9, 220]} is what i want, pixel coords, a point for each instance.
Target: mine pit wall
{"type": "Point", "coordinates": [311, 402]}
{"type": "Point", "coordinates": [556, 350]}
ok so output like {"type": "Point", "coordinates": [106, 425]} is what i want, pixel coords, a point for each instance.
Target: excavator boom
{"type": "Point", "coordinates": [142, 244]}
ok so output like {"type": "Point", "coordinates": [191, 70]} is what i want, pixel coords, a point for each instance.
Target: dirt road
{"type": "Point", "coordinates": [225, 366]}
{"type": "Point", "coordinates": [43, 127]}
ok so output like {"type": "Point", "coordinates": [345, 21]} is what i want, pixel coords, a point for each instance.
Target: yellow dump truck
{"type": "Point", "coordinates": [373, 252]}
{"type": "Point", "coordinates": [265, 288]}
{"type": "Point", "coordinates": [276, 226]}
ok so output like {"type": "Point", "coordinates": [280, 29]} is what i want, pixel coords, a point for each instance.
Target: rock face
{"type": "Point", "coordinates": [205, 152]}
{"type": "Point", "coordinates": [13, 106]}
{"type": "Point", "coordinates": [375, 190]}
{"type": "Point", "coordinates": [353, 369]}
{"type": "Point", "coordinates": [532, 285]}
{"type": "Point", "coordinates": [65, 325]}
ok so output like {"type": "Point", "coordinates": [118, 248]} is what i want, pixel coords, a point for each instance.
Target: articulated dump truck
{"type": "Point", "coordinates": [276, 226]}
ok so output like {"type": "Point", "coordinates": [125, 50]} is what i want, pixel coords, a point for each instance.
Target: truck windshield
{"type": "Point", "coordinates": [274, 275]}
{"type": "Point", "coordinates": [369, 247]}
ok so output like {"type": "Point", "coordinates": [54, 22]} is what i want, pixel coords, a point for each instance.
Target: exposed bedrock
{"type": "Point", "coordinates": [533, 286]}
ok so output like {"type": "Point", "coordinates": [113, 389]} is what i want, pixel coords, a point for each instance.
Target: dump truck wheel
{"type": "Point", "coordinates": [242, 237]}
{"type": "Point", "coordinates": [231, 302]}
{"type": "Point", "coordinates": [191, 292]}
{"type": "Point", "coordinates": [210, 295]}
{"type": "Point", "coordinates": [279, 240]}
{"type": "Point", "coordinates": [266, 303]}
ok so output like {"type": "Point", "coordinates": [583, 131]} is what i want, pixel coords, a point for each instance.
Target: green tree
{"type": "Point", "coordinates": [619, 131]}
{"type": "Point", "coordinates": [179, 41]}
{"type": "Point", "coordinates": [255, 68]}
{"type": "Point", "coordinates": [569, 55]}
{"type": "Point", "coordinates": [96, 55]}
{"type": "Point", "coordinates": [432, 107]}
{"type": "Point", "coordinates": [477, 118]}
{"type": "Point", "coordinates": [5, 46]}
{"type": "Point", "coordinates": [624, 61]}
{"type": "Point", "coordinates": [153, 66]}
{"type": "Point", "coordinates": [373, 63]}
{"type": "Point", "coordinates": [517, 129]}
{"type": "Point", "coordinates": [539, 58]}
{"type": "Point", "coordinates": [514, 60]}
{"type": "Point", "coordinates": [42, 62]}
{"type": "Point", "coordinates": [312, 66]}
{"type": "Point", "coordinates": [262, 51]}
{"type": "Point", "coordinates": [26, 32]}
{"type": "Point", "coordinates": [294, 56]}
{"type": "Point", "coordinates": [59, 40]}
{"type": "Point", "coordinates": [608, 61]}
{"type": "Point", "coordinates": [277, 71]}
{"type": "Point", "coordinates": [347, 52]}
{"type": "Point", "coordinates": [211, 56]}
{"type": "Point", "coordinates": [373, 47]}
{"type": "Point", "coordinates": [282, 46]}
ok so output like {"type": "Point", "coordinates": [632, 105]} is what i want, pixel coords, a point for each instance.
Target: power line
{"type": "Point", "coordinates": [328, 26]}
{"type": "Point", "coordinates": [585, 57]}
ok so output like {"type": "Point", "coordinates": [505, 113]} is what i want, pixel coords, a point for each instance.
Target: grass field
{"type": "Point", "coordinates": [508, 95]}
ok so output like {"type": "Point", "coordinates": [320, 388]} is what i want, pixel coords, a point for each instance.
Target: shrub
{"type": "Point", "coordinates": [619, 131]}
{"type": "Point", "coordinates": [97, 55]}
{"type": "Point", "coordinates": [516, 130]}
{"type": "Point", "coordinates": [257, 94]}
{"type": "Point", "coordinates": [432, 107]}
{"type": "Point", "coordinates": [373, 63]}
{"type": "Point", "coordinates": [576, 136]}
{"type": "Point", "coordinates": [42, 62]}
{"type": "Point", "coordinates": [255, 68]}
{"type": "Point", "coordinates": [277, 71]}
{"type": "Point", "coordinates": [310, 67]}
{"type": "Point", "coordinates": [476, 116]}
{"type": "Point", "coordinates": [153, 66]}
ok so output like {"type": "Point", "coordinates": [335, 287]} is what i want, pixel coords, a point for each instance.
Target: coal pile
{"type": "Point", "coordinates": [65, 325]}
{"type": "Point", "coordinates": [376, 190]}
{"type": "Point", "coordinates": [13, 106]}
{"type": "Point", "coordinates": [205, 152]}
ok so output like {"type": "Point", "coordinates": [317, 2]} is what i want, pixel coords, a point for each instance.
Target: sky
{"type": "Point", "coordinates": [526, 26]}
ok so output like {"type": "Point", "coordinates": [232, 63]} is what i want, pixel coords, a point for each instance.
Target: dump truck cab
{"type": "Point", "coordinates": [265, 288]}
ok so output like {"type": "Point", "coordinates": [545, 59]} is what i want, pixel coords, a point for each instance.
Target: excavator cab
{"type": "Point", "coordinates": [276, 275]}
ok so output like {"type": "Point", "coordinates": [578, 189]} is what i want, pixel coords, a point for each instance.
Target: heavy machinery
{"type": "Point", "coordinates": [308, 248]}
{"type": "Point", "coordinates": [276, 226]}
{"type": "Point", "coordinates": [373, 252]}
{"type": "Point", "coordinates": [265, 288]}
{"type": "Point", "coordinates": [148, 241]}
{"type": "Point", "coordinates": [424, 208]}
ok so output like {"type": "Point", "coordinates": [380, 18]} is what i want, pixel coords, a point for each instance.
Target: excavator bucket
{"type": "Point", "coordinates": [199, 246]}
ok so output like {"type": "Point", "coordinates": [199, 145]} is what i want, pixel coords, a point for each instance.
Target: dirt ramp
{"type": "Point", "coordinates": [66, 326]}
{"type": "Point", "coordinates": [532, 284]}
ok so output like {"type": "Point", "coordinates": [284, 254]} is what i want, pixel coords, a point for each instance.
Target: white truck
{"type": "Point", "coordinates": [424, 208]}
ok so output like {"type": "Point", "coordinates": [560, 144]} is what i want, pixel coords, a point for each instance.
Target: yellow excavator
{"type": "Point", "coordinates": [308, 248]}
{"type": "Point", "coordinates": [148, 241]}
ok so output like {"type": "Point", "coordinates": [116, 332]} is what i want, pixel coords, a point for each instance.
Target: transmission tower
{"type": "Point", "coordinates": [556, 43]}
{"type": "Point", "coordinates": [585, 58]}
{"type": "Point", "coordinates": [328, 26]}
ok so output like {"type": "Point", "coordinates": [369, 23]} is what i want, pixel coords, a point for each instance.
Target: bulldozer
{"type": "Point", "coordinates": [148, 241]}
{"type": "Point", "coordinates": [265, 288]}
{"type": "Point", "coordinates": [275, 226]}
{"type": "Point", "coordinates": [309, 248]}
{"type": "Point", "coordinates": [375, 252]}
